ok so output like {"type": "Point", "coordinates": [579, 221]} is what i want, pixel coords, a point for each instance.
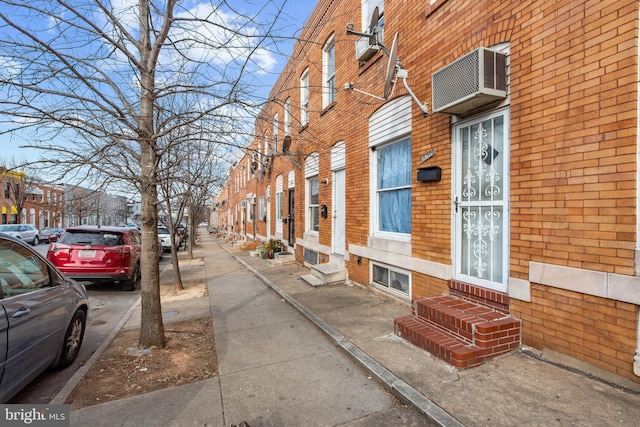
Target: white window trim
{"type": "Point", "coordinates": [375, 218]}
{"type": "Point", "coordinates": [304, 98]}
{"type": "Point", "coordinates": [287, 116]}
{"type": "Point", "coordinates": [389, 289]}
{"type": "Point", "coordinates": [328, 73]}
{"type": "Point", "coordinates": [391, 123]}
{"type": "Point", "coordinates": [311, 171]}
{"type": "Point", "coordinates": [275, 133]}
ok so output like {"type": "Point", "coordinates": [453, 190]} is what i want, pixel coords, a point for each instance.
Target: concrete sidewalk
{"type": "Point", "coordinates": [292, 355]}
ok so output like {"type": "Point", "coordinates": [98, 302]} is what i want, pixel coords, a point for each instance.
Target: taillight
{"type": "Point", "coordinates": [58, 246]}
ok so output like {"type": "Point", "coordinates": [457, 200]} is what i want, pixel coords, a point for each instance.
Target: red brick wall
{"type": "Point", "coordinates": [591, 329]}
{"type": "Point", "coordinates": [573, 139]}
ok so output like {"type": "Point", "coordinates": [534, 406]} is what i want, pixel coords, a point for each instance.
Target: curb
{"type": "Point", "coordinates": [75, 379]}
{"type": "Point", "coordinates": [396, 385]}
{"type": "Point", "coordinates": [81, 372]}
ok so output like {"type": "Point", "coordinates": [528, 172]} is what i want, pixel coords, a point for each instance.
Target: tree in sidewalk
{"type": "Point", "coordinates": [91, 83]}
{"type": "Point", "coordinates": [197, 169]}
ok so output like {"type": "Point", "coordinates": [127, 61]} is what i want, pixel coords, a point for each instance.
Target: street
{"type": "Point", "coordinates": [108, 305]}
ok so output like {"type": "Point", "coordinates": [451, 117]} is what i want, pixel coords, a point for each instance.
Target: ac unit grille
{"type": "Point", "coordinates": [364, 50]}
{"type": "Point", "coordinates": [470, 82]}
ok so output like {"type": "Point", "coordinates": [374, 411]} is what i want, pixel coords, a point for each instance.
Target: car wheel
{"type": "Point", "coordinates": [72, 340]}
{"type": "Point", "coordinates": [36, 240]}
{"type": "Point", "coordinates": [130, 285]}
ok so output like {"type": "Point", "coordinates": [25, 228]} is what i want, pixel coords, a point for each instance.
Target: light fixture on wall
{"type": "Point", "coordinates": [325, 182]}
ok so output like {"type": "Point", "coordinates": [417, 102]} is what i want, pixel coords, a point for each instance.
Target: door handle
{"type": "Point", "coordinates": [456, 203]}
{"type": "Point", "coordinates": [22, 311]}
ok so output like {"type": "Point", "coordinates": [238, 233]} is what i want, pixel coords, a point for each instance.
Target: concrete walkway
{"type": "Point", "coordinates": [294, 355]}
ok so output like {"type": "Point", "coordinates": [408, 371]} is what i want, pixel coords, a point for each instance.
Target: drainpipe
{"type": "Point", "coordinates": [636, 358]}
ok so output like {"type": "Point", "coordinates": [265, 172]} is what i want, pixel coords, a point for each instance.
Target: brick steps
{"type": "Point", "coordinates": [462, 333]}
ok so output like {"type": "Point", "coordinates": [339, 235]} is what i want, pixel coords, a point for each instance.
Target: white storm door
{"type": "Point", "coordinates": [339, 212]}
{"type": "Point", "coordinates": [481, 200]}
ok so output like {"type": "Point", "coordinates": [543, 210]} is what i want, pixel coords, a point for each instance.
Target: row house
{"type": "Point", "coordinates": [86, 206]}
{"type": "Point", "coordinates": [476, 159]}
{"type": "Point", "coordinates": [25, 201]}
{"type": "Point", "coordinates": [44, 205]}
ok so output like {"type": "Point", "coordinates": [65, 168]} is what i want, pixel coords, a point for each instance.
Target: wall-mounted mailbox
{"type": "Point", "coordinates": [430, 174]}
{"type": "Point", "coordinates": [323, 211]}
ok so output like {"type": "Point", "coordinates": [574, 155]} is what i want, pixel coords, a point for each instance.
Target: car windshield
{"type": "Point", "coordinates": [98, 238]}
{"type": "Point", "coordinates": [9, 227]}
{"type": "Point", "coordinates": [162, 230]}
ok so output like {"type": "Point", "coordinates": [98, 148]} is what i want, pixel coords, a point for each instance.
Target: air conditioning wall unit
{"type": "Point", "coordinates": [364, 50]}
{"type": "Point", "coordinates": [477, 79]}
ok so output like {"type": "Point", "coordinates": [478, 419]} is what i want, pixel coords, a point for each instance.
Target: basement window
{"type": "Point", "coordinates": [391, 280]}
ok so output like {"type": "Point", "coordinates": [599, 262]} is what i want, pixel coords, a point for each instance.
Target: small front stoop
{"type": "Point", "coordinates": [462, 333]}
{"type": "Point", "coordinates": [282, 258]}
{"type": "Point", "coordinates": [326, 274]}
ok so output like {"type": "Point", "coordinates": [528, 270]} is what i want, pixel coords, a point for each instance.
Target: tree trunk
{"type": "Point", "coordinates": [151, 326]}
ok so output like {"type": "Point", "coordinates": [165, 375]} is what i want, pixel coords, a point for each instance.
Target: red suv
{"type": "Point", "coordinates": [99, 254]}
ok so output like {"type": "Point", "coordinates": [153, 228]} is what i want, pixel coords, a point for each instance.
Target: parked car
{"type": "Point", "coordinates": [99, 254]}
{"type": "Point", "coordinates": [165, 238]}
{"type": "Point", "coordinates": [27, 232]}
{"type": "Point", "coordinates": [51, 234]}
{"type": "Point", "coordinates": [42, 318]}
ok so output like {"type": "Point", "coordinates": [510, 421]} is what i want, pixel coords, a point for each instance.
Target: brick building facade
{"type": "Point", "coordinates": [23, 201]}
{"type": "Point", "coordinates": [521, 195]}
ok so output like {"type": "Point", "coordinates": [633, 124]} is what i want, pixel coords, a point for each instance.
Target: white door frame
{"type": "Point", "coordinates": [338, 234]}
{"type": "Point", "coordinates": [480, 208]}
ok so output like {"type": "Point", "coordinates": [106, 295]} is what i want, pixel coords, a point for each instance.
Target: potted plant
{"type": "Point", "coordinates": [272, 246]}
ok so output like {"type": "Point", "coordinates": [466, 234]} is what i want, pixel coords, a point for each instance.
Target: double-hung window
{"type": "Point", "coordinates": [287, 117]}
{"type": "Point", "coordinates": [261, 210]}
{"type": "Point", "coordinates": [393, 189]}
{"type": "Point", "coordinates": [328, 73]}
{"type": "Point", "coordinates": [275, 133]}
{"type": "Point", "coordinates": [312, 192]}
{"type": "Point", "coordinates": [304, 98]}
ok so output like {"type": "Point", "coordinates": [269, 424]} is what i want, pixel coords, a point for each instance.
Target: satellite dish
{"type": "Point", "coordinates": [286, 144]}
{"type": "Point", "coordinates": [254, 166]}
{"type": "Point", "coordinates": [391, 67]}
{"type": "Point", "coordinates": [373, 27]}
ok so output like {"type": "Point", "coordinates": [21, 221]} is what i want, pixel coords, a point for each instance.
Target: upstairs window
{"type": "Point", "coordinates": [328, 73]}
{"type": "Point", "coordinates": [304, 98]}
{"type": "Point", "coordinates": [368, 6]}
{"type": "Point", "coordinates": [287, 116]}
{"type": "Point", "coordinates": [275, 132]}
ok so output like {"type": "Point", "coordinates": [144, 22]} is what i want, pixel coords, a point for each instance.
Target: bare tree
{"type": "Point", "coordinates": [94, 83]}
{"type": "Point", "coordinates": [79, 203]}
{"type": "Point", "coordinates": [196, 168]}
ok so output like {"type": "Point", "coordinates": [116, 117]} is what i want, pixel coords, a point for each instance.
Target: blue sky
{"type": "Point", "coordinates": [296, 13]}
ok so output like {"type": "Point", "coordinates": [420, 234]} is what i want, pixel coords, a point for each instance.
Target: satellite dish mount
{"type": "Point", "coordinates": [372, 34]}
{"type": "Point", "coordinates": [395, 71]}
{"type": "Point", "coordinates": [394, 66]}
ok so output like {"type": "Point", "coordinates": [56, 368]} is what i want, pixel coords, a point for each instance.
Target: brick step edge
{"type": "Point", "coordinates": [474, 323]}
{"type": "Point", "coordinates": [452, 349]}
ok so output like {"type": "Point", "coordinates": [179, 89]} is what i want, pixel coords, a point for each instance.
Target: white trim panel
{"type": "Point", "coordinates": [612, 286]}
{"type": "Point", "coordinates": [390, 122]}
{"type": "Point", "coordinates": [429, 268]}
